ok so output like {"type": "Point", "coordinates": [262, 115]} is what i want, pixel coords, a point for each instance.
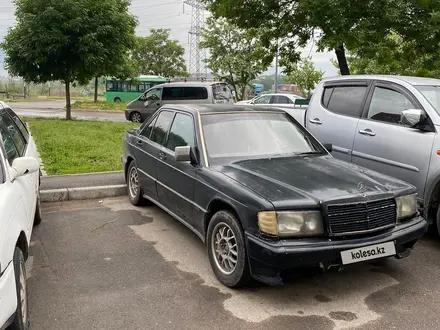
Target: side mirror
{"type": "Point", "coordinates": [185, 154]}
{"type": "Point", "coordinates": [22, 166]}
{"type": "Point", "coordinates": [416, 118]}
{"type": "Point", "coordinates": [328, 147]}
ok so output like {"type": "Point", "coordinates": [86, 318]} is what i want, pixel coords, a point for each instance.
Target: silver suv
{"type": "Point", "coordinates": [389, 124]}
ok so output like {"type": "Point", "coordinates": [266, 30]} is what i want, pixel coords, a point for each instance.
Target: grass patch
{"type": "Point", "coordinates": [77, 146]}
{"type": "Point", "coordinates": [100, 105]}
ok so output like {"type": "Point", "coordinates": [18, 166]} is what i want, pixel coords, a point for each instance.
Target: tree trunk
{"type": "Point", "coordinates": [96, 90]}
{"type": "Point", "coordinates": [68, 105]}
{"type": "Point", "coordinates": [342, 60]}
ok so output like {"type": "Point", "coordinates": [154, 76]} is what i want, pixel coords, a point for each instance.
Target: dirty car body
{"type": "Point", "coordinates": [264, 195]}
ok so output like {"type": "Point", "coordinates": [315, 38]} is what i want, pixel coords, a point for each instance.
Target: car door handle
{"type": "Point", "coordinates": [162, 155]}
{"type": "Point", "coordinates": [315, 121]}
{"type": "Point", "coordinates": [368, 132]}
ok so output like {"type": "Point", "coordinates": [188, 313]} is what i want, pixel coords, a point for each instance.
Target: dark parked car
{"type": "Point", "coordinates": [265, 195]}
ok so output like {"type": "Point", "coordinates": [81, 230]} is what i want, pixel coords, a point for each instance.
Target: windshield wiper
{"type": "Point", "coordinates": [314, 152]}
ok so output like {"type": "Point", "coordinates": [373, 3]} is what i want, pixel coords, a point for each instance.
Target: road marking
{"type": "Point", "coordinates": [339, 297]}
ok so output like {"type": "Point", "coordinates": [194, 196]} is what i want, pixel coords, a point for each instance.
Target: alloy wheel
{"type": "Point", "coordinates": [224, 248]}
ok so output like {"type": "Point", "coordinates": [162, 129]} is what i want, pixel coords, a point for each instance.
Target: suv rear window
{"type": "Point", "coordinates": [344, 100]}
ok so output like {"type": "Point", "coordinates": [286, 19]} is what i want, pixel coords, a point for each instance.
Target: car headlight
{"type": "Point", "coordinates": [285, 224]}
{"type": "Point", "coordinates": [406, 206]}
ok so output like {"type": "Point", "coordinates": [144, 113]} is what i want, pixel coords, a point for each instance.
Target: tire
{"type": "Point", "coordinates": [223, 231]}
{"type": "Point", "coordinates": [21, 320]}
{"type": "Point", "coordinates": [38, 216]}
{"type": "Point", "coordinates": [436, 225]}
{"type": "Point", "coordinates": [136, 117]}
{"type": "Point", "coordinates": [134, 186]}
{"type": "Point", "coordinates": [117, 100]}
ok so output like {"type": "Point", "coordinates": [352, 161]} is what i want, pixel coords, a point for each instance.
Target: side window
{"type": "Point", "coordinates": [280, 99]}
{"type": "Point", "coordinates": [161, 127]}
{"type": "Point", "coordinates": [146, 132]}
{"type": "Point", "coordinates": [265, 99]}
{"type": "Point", "coordinates": [387, 105]}
{"type": "Point", "coordinates": [195, 93]}
{"type": "Point", "coordinates": [14, 133]}
{"type": "Point", "coordinates": [8, 142]}
{"type": "Point", "coordinates": [172, 93]}
{"type": "Point", "coordinates": [181, 133]}
{"type": "Point", "coordinates": [21, 126]}
{"type": "Point", "coordinates": [326, 96]}
{"type": "Point", "coordinates": [347, 100]}
{"type": "Point", "coordinates": [151, 95]}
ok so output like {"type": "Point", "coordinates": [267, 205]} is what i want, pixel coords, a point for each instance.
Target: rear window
{"type": "Point", "coordinates": [344, 100]}
{"type": "Point", "coordinates": [221, 91]}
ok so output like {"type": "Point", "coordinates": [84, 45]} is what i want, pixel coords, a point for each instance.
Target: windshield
{"type": "Point", "coordinates": [221, 91]}
{"type": "Point", "coordinates": [236, 136]}
{"type": "Point", "coordinates": [432, 94]}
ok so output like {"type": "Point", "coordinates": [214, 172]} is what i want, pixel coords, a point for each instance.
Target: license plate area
{"type": "Point", "coordinates": [370, 252]}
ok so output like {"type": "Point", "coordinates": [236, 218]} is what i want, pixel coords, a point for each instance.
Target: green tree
{"type": "Point", "coordinates": [305, 77]}
{"type": "Point", "coordinates": [69, 40]}
{"type": "Point", "coordinates": [340, 24]}
{"type": "Point", "coordinates": [237, 55]}
{"type": "Point", "coordinates": [158, 55]}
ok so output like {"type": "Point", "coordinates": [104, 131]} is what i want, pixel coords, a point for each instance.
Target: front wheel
{"type": "Point", "coordinates": [227, 251]}
{"type": "Point", "coordinates": [21, 320]}
{"type": "Point", "coordinates": [134, 186]}
{"type": "Point", "coordinates": [117, 100]}
{"type": "Point", "coordinates": [136, 117]}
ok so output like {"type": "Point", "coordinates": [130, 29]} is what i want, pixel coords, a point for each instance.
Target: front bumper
{"type": "Point", "coordinates": [268, 258]}
{"type": "Point", "coordinates": [8, 297]}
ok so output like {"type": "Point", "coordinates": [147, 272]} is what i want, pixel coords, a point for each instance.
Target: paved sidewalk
{"type": "Point", "coordinates": [82, 180]}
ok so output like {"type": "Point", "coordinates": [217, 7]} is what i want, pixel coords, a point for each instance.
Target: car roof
{"type": "Point", "coordinates": [188, 83]}
{"type": "Point", "coordinates": [408, 79]}
{"type": "Point", "coordinates": [219, 108]}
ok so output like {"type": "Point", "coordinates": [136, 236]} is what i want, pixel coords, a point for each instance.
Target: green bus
{"type": "Point", "coordinates": [126, 91]}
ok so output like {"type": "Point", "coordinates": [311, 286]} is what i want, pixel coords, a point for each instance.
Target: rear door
{"type": "Point", "coordinates": [385, 144]}
{"type": "Point", "coordinates": [147, 149]}
{"type": "Point", "coordinates": [334, 117]}
{"type": "Point", "coordinates": [176, 180]}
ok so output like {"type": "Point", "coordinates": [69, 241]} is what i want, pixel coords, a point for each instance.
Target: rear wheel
{"type": "Point", "coordinates": [227, 251]}
{"type": "Point", "coordinates": [134, 186]}
{"type": "Point", "coordinates": [21, 320]}
{"type": "Point", "coordinates": [117, 99]}
{"type": "Point", "coordinates": [136, 117]}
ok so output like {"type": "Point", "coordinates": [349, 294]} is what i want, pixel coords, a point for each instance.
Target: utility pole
{"type": "Point", "coordinates": [276, 68]}
{"type": "Point", "coordinates": [197, 56]}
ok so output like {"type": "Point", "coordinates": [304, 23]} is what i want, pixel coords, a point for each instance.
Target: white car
{"type": "Point", "coordinates": [273, 99]}
{"type": "Point", "coordinates": [19, 211]}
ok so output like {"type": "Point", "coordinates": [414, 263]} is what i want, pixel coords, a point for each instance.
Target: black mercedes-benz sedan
{"type": "Point", "coordinates": [264, 194]}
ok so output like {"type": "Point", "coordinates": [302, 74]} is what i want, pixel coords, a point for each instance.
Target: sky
{"type": "Point", "coordinates": [172, 14]}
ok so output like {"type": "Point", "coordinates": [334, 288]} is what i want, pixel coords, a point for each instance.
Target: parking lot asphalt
{"type": "Point", "coordinates": [108, 265]}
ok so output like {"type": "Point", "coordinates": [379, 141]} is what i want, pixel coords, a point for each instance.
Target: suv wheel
{"type": "Point", "coordinates": [227, 251]}
{"type": "Point", "coordinates": [134, 186]}
{"type": "Point", "coordinates": [21, 320]}
{"type": "Point", "coordinates": [38, 216]}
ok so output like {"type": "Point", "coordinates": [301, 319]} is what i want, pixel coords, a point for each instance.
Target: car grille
{"type": "Point", "coordinates": [357, 218]}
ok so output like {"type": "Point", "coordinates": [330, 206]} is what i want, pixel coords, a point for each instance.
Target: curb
{"type": "Point", "coordinates": [82, 193]}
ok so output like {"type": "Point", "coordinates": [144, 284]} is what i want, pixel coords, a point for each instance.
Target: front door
{"type": "Point", "coordinates": [151, 102]}
{"type": "Point", "coordinates": [334, 118]}
{"type": "Point", "coordinates": [176, 180]}
{"type": "Point", "coordinates": [384, 144]}
{"type": "Point", "coordinates": [147, 149]}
